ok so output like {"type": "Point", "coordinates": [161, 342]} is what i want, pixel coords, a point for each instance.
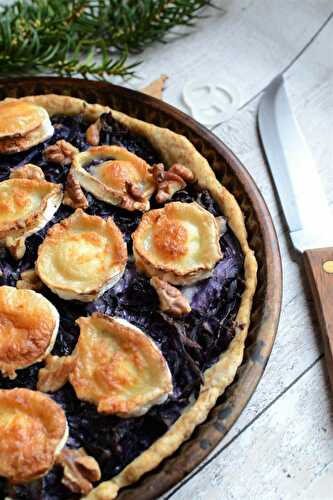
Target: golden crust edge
{"type": "Point", "coordinates": [220, 375]}
{"type": "Point", "coordinates": [66, 105]}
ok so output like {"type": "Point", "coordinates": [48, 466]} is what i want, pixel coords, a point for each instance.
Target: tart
{"type": "Point", "coordinates": [28, 329]}
{"type": "Point", "coordinates": [166, 286]}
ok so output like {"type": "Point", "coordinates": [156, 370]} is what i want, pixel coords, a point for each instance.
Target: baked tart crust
{"type": "Point", "coordinates": [175, 148]}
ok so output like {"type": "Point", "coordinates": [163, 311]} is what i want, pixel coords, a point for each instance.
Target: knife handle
{"type": "Point", "coordinates": [319, 269]}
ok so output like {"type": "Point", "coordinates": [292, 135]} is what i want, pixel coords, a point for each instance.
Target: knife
{"type": "Point", "coordinates": [303, 202]}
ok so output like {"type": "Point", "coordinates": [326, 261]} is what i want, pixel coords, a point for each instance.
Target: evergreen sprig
{"type": "Point", "coordinates": [85, 37]}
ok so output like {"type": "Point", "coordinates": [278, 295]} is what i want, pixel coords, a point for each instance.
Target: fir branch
{"type": "Point", "coordinates": [85, 37]}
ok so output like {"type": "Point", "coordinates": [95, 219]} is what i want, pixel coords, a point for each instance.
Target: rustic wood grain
{"type": "Point", "coordinates": [319, 269]}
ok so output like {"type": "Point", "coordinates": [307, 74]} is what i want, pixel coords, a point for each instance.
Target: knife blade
{"type": "Point", "coordinates": [295, 175]}
{"type": "Point", "coordinates": [303, 201]}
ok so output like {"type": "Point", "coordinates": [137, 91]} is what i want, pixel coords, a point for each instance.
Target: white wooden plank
{"type": "Point", "coordinates": [280, 455]}
{"type": "Point", "coordinates": [309, 84]}
{"type": "Point", "coordinates": [321, 486]}
{"type": "Point", "coordinates": [246, 43]}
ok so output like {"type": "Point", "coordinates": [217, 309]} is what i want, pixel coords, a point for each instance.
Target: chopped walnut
{"type": "Point", "coordinates": [80, 470]}
{"type": "Point", "coordinates": [28, 171]}
{"type": "Point", "coordinates": [16, 247]}
{"type": "Point", "coordinates": [55, 373]}
{"type": "Point", "coordinates": [134, 191]}
{"type": "Point", "coordinates": [168, 188]}
{"type": "Point", "coordinates": [74, 196]}
{"type": "Point", "coordinates": [171, 299]}
{"type": "Point", "coordinates": [170, 181]}
{"type": "Point", "coordinates": [183, 172]}
{"type": "Point", "coordinates": [133, 199]}
{"type": "Point", "coordinates": [93, 133]}
{"type": "Point", "coordinates": [29, 280]}
{"type": "Point", "coordinates": [61, 152]}
{"type": "Point", "coordinates": [127, 203]}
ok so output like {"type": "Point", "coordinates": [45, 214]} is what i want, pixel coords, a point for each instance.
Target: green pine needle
{"type": "Point", "coordinates": [86, 37]}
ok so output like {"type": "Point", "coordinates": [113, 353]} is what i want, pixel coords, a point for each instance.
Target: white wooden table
{"type": "Point", "coordinates": [282, 445]}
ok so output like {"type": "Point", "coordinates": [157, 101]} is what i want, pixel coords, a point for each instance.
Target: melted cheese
{"type": "Point", "coordinates": [28, 329]}
{"type": "Point", "coordinates": [178, 243]}
{"type": "Point", "coordinates": [19, 118]}
{"type": "Point", "coordinates": [107, 181]}
{"type": "Point", "coordinates": [22, 125]}
{"type": "Point", "coordinates": [20, 199]}
{"type": "Point", "coordinates": [26, 205]}
{"type": "Point", "coordinates": [33, 430]}
{"type": "Point", "coordinates": [82, 257]}
{"type": "Point", "coordinates": [118, 367]}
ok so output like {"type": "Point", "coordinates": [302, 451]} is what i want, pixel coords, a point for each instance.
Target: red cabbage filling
{"type": "Point", "coordinates": [190, 344]}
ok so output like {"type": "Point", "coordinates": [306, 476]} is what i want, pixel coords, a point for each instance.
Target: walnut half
{"type": "Point", "coordinates": [170, 181]}
{"type": "Point", "coordinates": [80, 470]}
{"type": "Point", "coordinates": [171, 299]}
{"type": "Point", "coordinates": [134, 191]}
{"type": "Point", "coordinates": [134, 197]}
{"type": "Point", "coordinates": [61, 152]}
{"type": "Point", "coordinates": [74, 196]}
{"type": "Point", "coordinates": [185, 173]}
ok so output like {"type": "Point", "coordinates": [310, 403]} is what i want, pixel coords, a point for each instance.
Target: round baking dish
{"type": "Point", "coordinates": [262, 239]}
